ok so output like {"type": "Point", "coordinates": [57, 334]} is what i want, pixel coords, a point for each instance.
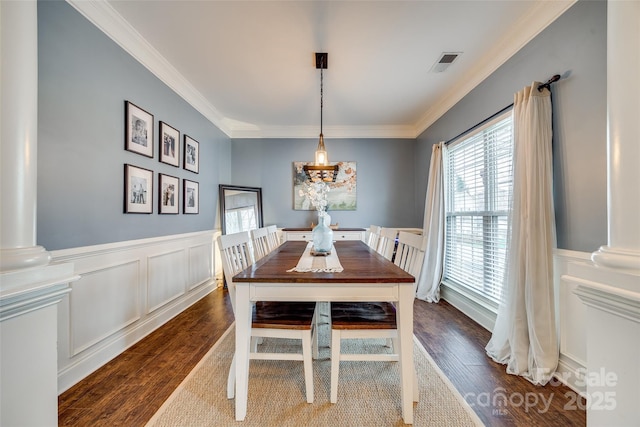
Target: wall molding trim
{"type": "Point", "coordinates": [125, 291]}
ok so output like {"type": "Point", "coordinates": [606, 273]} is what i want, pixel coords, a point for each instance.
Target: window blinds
{"type": "Point", "coordinates": [478, 180]}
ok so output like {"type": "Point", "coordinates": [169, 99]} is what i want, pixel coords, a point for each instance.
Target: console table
{"type": "Point", "coordinates": [297, 234]}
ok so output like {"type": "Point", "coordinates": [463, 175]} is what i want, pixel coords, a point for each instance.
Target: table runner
{"type": "Point", "coordinates": [318, 264]}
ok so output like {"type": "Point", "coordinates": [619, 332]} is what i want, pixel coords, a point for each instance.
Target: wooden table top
{"type": "Point", "coordinates": [334, 229]}
{"type": "Point", "coordinates": [361, 265]}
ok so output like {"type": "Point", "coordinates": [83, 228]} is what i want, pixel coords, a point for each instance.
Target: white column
{"type": "Point", "coordinates": [18, 143]}
{"type": "Point", "coordinates": [623, 150]}
{"type": "Point", "coordinates": [610, 287]}
{"type": "Point", "coordinates": [30, 287]}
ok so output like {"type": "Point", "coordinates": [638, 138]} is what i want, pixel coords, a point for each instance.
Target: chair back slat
{"type": "Point", "coordinates": [259, 238]}
{"type": "Point", "coordinates": [272, 237]}
{"type": "Point", "coordinates": [387, 242]}
{"type": "Point", "coordinates": [410, 253]}
{"type": "Point", "coordinates": [374, 236]}
{"type": "Point", "coordinates": [236, 254]}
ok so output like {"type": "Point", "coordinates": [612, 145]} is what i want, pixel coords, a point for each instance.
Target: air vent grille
{"type": "Point", "coordinates": [446, 59]}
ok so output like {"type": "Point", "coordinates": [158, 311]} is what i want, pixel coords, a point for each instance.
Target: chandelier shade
{"type": "Point", "coordinates": [321, 170]}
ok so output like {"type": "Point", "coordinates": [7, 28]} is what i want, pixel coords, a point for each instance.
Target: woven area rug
{"type": "Point", "coordinates": [368, 392]}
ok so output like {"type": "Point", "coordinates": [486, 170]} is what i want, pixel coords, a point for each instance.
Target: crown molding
{"type": "Point", "coordinates": [541, 15]}
{"type": "Point", "coordinates": [101, 14]}
{"type": "Point", "coordinates": [330, 132]}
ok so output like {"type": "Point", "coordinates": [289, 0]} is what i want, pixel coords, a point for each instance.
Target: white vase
{"type": "Point", "coordinates": [322, 234]}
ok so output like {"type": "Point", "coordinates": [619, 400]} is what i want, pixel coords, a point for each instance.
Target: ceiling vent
{"type": "Point", "coordinates": [446, 59]}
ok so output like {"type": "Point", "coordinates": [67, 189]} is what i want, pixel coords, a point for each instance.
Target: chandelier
{"type": "Point", "coordinates": [321, 170]}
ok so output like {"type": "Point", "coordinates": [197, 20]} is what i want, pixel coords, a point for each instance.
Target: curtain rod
{"type": "Point", "coordinates": [541, 86]}
{"type": "Point", "coordinates": [553, 79]}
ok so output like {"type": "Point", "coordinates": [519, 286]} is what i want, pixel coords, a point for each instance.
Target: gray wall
{"type": "Point", "coordinates": [84, 80]}
{"type": "Point", "coordinates": [575, 47]}
{"type": "Point", "coordinates": [384, 172]}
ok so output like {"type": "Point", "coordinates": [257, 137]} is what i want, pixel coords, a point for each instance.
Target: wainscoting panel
{"type": "Point", "coordinates": [167, 278]}
{"type": "Point", "coordinates": [572, 318]}
{"type": "Point", "coordinates": [127, 290]}
{"type": "Point", "coordinates": [103, 302]}
{"type": "Point", "coordinates": [200, 264]}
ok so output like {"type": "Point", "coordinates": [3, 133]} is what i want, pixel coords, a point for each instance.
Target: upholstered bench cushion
{"type": "Point", "coordinates": [363, 315]}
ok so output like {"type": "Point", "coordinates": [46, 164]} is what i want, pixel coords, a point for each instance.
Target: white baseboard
{"type": "Point", "coordinates": [571, 373]}
{"type": "Point", "coordinates": [478, 313]}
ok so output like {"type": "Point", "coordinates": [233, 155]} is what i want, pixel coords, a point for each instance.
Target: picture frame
{"type": "Point", "coordinates": [191, 154]}
{"type": "Point", "coordinates": [138, 190]}
{"type": "Point", "coordinates": [191, 199]}
{"type": "Point", "coordinates": [138, 130]}
{"type": "Point", "coordinates": [168, 194]}
{"type": "Point", "coordinates": [169, 142]}
{"type": "Point", "coordinates": [342, 194]}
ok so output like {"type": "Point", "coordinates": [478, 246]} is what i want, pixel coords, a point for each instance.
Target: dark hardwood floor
{"type": "Point", "coordinates": [129, 390]}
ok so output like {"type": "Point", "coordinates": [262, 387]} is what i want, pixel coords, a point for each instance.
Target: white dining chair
{"type": "Point", "coordinates": [387, 242]}
{"type": "Point", "coordinates": [374, 236]}
{"type": "Point", "coordinates": [272, 237]}
{"type": "Point", "coordinates": [410, 253]}
{"type": "Point", "coordinates": [292, 320]}
{"type": "Point", "coordinates": [360, 320]}
{"type": "Point", "coordinates": [259, 240]}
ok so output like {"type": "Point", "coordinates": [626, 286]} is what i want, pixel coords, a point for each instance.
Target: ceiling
{"type": "Point", "coordinates": [249, 66]}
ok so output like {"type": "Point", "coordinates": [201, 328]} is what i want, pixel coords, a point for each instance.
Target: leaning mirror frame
{"type": "Point", "coordinates": [252, 212]}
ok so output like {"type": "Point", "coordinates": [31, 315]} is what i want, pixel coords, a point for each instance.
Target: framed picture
{"type": "Point", "coordinates": [191, 154]}
{"type": "Point", "coordinates": [169, 196]}
{"type": "Point", "coordinates": [191, 197]}
{"type": "Point", "coordinates": [169, 145]}
{"type": "Point", "coordinates": [342, 194]}
{"type": "Point", "coordinates": [138, 130]}
{"type": "Point", "coordinates": [138, 190]}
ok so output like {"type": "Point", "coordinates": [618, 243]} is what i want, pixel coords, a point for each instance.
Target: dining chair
{"type": "Point", "coordinates": [387, 242]}
{"type": "Point", "coordinates": [374, 236]}
{"type": "Point", "coordinates": [292, 320]}
{"type": "Point", "coordinates": [272, 237]}
{"type": "Point", "coordinates": [360, 320]}
{"type": "Point", "coordinates": [410, 253]}
{"type": "Point", "coordinates": [259, 240]}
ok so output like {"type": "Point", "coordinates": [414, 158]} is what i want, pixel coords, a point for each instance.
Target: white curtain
{"type": "Point", "coordinates": [524, 337]}
{"type": "Point", "coordinates": [431, 272]}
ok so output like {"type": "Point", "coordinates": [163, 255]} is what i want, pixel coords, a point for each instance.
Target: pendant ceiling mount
{"type": "Point", "coordinates": [321, 170]}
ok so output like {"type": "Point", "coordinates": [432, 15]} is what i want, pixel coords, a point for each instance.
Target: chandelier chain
{"type": "Point", "coordinates": [321, 93]}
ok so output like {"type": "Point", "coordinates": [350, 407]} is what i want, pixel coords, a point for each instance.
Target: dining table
{"type": "Point", "coordinates": [365, 276]}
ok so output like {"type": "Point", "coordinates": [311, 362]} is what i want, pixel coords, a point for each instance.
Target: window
{"type": "Point", "coordinates": [478, 187]}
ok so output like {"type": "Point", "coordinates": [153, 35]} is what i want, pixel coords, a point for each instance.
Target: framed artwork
{"type": "Point", "coordinates": [342, 192]}
{"type": "Point", "coordinates": [138, 190]}
{"type": "Point", "coordinates": [191, 154]}
{"type": "Point", "coordinates": [191, 197]}
{"type": "Point", "coordinates": [168, 199]}
{"type": "Point", "coordinates": [138, 130]}
{"type": "Point", "coordinates": [169, 145]}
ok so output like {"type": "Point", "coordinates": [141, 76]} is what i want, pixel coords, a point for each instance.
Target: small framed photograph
{"type": "Point", "coordinates": [138, 190]}
{"type": "Point", "coordinates": [191, 197]}
{"type": "Point", "coordinates": [169, 196]}
{"type": "Point", "coordinates": [169, 145]}
{"type": "Point", "coordinates": [138, 130]}
{"type": "Point", "coordinates": [191, 154]}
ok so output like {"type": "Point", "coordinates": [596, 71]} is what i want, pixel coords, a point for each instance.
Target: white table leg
{"type": "Point", "coordinates": [243, 336]}
{"type": "Point", "coordinates": [405, 336]}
